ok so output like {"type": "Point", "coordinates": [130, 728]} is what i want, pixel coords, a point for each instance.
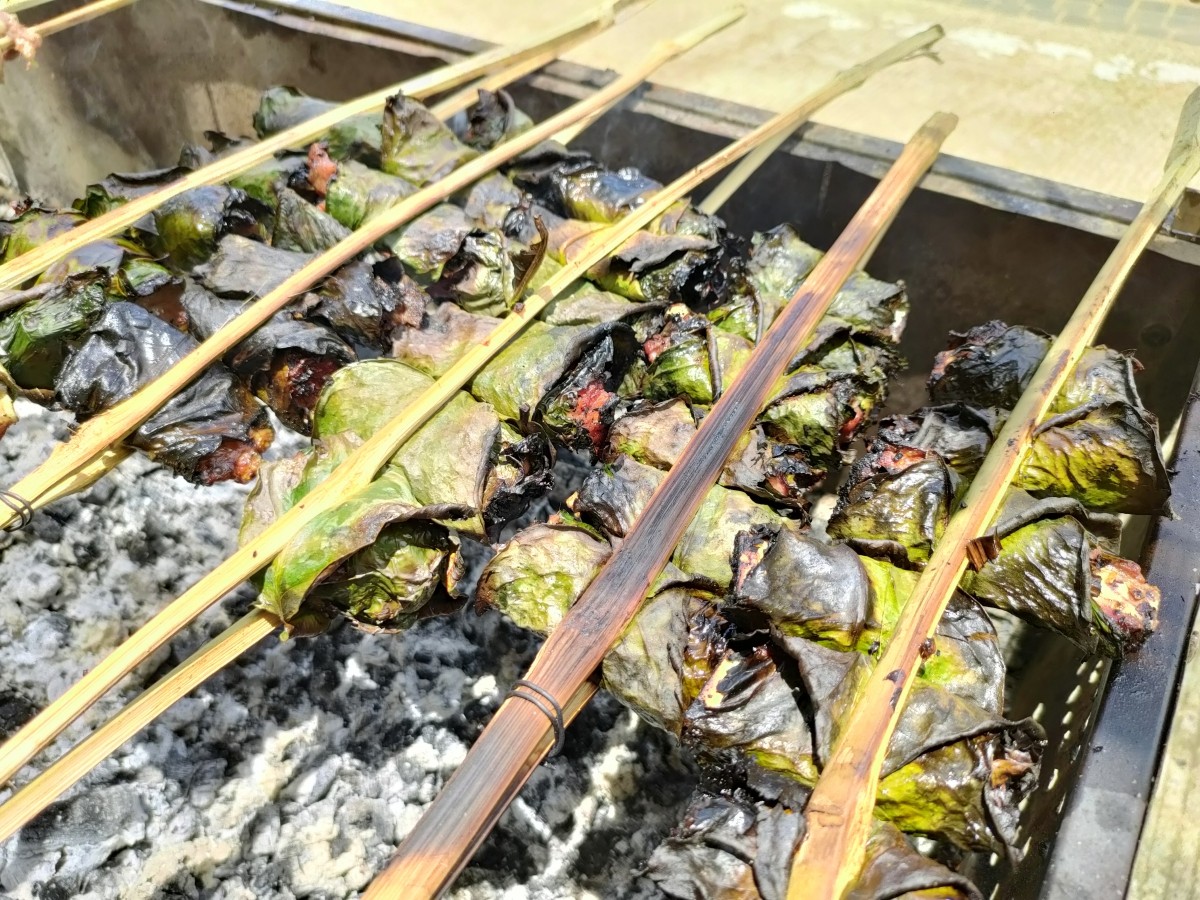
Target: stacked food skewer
{"type": "Point", "coordinates": [564, 304]}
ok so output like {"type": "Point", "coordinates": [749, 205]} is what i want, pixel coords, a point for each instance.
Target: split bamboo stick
{"type": "Point", "coordinates": [356, 470]}
{"type": "Point", "coordinates": [29, 265]}
{"type": "Point", "coordinates": [19, 6]}
{"type": "Point", "coordinates": [496, 767]}
{"type": "Point", "coordinates": [839, 812]}
{"type": "Point", "coordinates": [68, 19]}
{"type": "Point", "coordinates": [382, 447]}
{"type": "Point", "coordinates": [114, 424]}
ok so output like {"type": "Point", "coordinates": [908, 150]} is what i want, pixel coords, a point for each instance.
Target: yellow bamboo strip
{"type": "Point", "coordinates": [68, 19]}
{"type": "Point", "coordinates": [81, 759]}
{"type": "Point", "coordinates": [111, 426]}
{"type": "Point", "coordinates": [462, 100]}
{"type": "Point", "coordinates": [842, 83]}
{"type": "Point", "coordinates": [358, 469]}
{"type": "Point", "coordinates": [33, 263]}
{"type": "Point", "coordinates": [839, 812]}
{"type": "Point", "coordinates": [18, 6]}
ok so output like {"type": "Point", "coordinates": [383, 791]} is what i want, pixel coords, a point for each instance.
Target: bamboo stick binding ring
{"type": "Point", "coordinates": [544, 701]}
{"type": "Point", "coordinates": [20, 506]}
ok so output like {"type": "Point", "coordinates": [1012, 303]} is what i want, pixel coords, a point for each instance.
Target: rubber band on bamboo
{"type": "Point", "coordinates": [20, 506]}
{"type": "Point", "coordinates": [544, 701]}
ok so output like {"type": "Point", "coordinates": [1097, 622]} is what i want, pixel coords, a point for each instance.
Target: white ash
{"type": "Point", "coordinates": [297, 771]}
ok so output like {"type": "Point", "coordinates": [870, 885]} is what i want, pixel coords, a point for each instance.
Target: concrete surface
{"type": "Point", "coordinates": [1085, 92]}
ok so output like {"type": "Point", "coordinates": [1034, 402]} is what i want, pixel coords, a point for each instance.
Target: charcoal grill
{"type": "Point", "coordinates": [976, 242]}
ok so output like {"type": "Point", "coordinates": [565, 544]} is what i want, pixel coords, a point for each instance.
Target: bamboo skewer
{"type": "Point", "coordinates": [67, 20]}
{"type": "Point", "coordinates": [504, 755]}
{"type": "Point", "coordinates": [462, 100]}
{"type": "Point", "coordinates": [106, 429]}
{"type": "Point", "coordinates": [839, 812]}
{"type": "Point", "coordinates": [844, 82]}
{"type": "Point", "coordinates": [33, 263]}
{"type": "Point", "coordinates": [382, 446]}
{"type": "Point", "coordinates": [356, 470]}
{"type": "Point", "coordinates": [217, 653]}
{"type": "Point", "coordinates": [19, 6]}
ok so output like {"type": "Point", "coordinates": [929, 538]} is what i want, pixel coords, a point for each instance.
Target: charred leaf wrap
{"type": "Point", "coordinates": [561, 378]}
{"type": "Point", "coordinates": [956, 770]}
{"type": "Point", "coordinates": [740, 848]}
{"type": "Point", "coordinates": [286, 361]}
{"type": "Point", "coordinates": [365, 307]}
{"type": "Point", "coordinates": [245, 268]}
{"type": "Point", "coordinates": [37, 337]}
{"type": "Point", "coordinates": [615, 494]}
{"type": "Point", "coordinates": [483, 270]}
{"type": "Point", "coordinates": [1055, 561]}
{"type": "Point", "coordinates": [33, 226]}
{"type": "Point", "coordinates": [1058, 567]}
{"type": "Point", "coordinates": [382, 554]}
{"type": "Point", "coordinates": [778, 263]}
{"type": "Point", "coordinates": [493, 118]}
{"type": "Point", "coordinates": [280, 108]}
{"type": "Point", "coordinates": [416, 145]}
{"type": "Point", "coordinates": [1099, 446]}
{"type": "Point", "coordinates": [188, 227]}
{"type": "Point", "coordinates": [211, 431]}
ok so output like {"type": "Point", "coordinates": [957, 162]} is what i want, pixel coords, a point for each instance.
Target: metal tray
{"type": "Point", "coordinates": [975, 243]}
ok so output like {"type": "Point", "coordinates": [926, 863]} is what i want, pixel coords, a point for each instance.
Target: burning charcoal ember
{"type": "Point", "coordinates": [210, 432]}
